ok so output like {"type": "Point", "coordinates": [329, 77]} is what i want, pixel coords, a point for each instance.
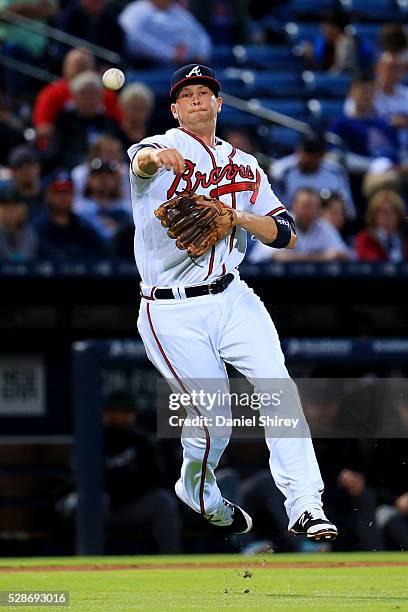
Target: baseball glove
{"type": "Point", "coordinates": [196, 222]}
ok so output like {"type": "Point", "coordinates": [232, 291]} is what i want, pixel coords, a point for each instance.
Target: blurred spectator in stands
{"type": "Point", "coordinates": [136, 500]}
{"type": "Point", "coordinates": [230, 20]}
{"type": "Point", "coordinates": [108, 149]}
{"type": "Point", "coordinates": [308, 167]}
{"type": "Point", "coordinates": [344, 471]}
{"type": "Point", "coordinates": [61, 232]}
{"type": "Point", "coordinates": [136, 103]}
{"type": "Point", "coordinates": [56, 96]}
{"type": "Point", "coordinates": [94, 21]}
{"type": "Point", "coordinates": [385, 238]}
{"type": "Point", "coordinates": [317, 240]}
{"type": "Point", "coordinates": [25, 169]}
{"type": "Point", "coordinates": [80, 126]}
{"type": "Point", "coordinates": [334, 212]}
{"type": "Point", "coordinates": [18, 241]}
{"type": "Point", "coordinates": [265, 502]}
{"type": "Point", "coordinates": [372, 144]}
{"type": "Point", "coordinates": [390, 96]}
{"type": "Point", "coordinates": [137, 496]}
{"type": "Point", "coordinates": [11, 131]}
{"type": "Point", "coordinates": [22, 45]}
{"type": "Point", "coordinates": [393, 39]}
{"type": "Point", "coordinates": [335, 49]}
{"type": "Point", "coordinates": [162, 32]}
{"type": "Point", "coordinates": [103, 205]}
{"type": "Point", "coordinates": [389, 475]}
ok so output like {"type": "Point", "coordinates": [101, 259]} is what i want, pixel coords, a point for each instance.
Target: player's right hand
{"type": "Point", "coordinates": [170, 159]}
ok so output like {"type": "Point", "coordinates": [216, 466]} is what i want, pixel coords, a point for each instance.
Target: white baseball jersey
{"type": "Point", "coordinates": [223, 172]}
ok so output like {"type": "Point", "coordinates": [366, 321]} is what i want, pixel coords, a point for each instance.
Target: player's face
{"type": "Point", "coordinates": [196, 107]}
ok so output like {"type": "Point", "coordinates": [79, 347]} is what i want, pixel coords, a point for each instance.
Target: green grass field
{"type": "Point", "coordinates": [320, 581]}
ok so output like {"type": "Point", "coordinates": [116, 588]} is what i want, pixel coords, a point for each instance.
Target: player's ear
{"type": "Point", "coordinates": [173, 109]}
{"type": "Point", "coordinates": [219, 104]}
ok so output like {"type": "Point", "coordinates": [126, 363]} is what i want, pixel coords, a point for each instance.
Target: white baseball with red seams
{"type": "Point", "coordinates": [113, 79]}
{"type": "Point", "coordinates": [191, 339]}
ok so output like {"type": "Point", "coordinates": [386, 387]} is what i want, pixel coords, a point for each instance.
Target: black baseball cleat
{"type": "Point", "coordinates": [314, 525]}
{"type": "Point", "coordinates": [230, 518]}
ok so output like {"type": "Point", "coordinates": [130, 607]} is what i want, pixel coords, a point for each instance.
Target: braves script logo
{"type": "Point", "coordinates": [188, 180]}
{"type": "Point", "coordinates": [196, 70]}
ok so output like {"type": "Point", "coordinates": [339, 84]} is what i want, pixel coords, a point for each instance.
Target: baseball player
{"type": "Point", "coordinates": [196, 314]}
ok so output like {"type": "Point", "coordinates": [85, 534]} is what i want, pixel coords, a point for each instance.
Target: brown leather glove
{"type": "Point", "coordinates": [196, 222]}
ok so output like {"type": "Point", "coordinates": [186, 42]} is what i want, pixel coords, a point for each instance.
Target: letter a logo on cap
{"type": "Point", "coordinates": [196, 70]}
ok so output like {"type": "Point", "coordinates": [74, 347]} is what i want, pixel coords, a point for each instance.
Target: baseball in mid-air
{"type": "Point", "coordinates": [113, 79]}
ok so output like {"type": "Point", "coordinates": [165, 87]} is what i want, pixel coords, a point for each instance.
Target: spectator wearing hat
{"type": "Point", "coordinates": [103, 207]}
{"type": "Point", "coordinates": [384, 239]}
{"type": "Point", "coordinates": [25, 169]}
{"type": "Point", "coordinates": [308, 167]}
{"type": "Point", "coordinates": [78, 127]}
{"type": "Point", "coordinates": [317, 240]}
{"type": "Point", "coordinates": [56, 96]}
{"type": "Point", "coordinates": [62, 233]}
{"type": "Point", "coordinates": [163, 32]}
{"type": "Point", "coordinates": [18, 241]}
{"type": "Point", "coordinates": [108, 149]}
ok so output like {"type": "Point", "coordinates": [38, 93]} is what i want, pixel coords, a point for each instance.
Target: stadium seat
{"type": "Point", "coordinates": [298, 32]}
{"type": "Point", "coordinates": [311, 8]}
{"type": "Point", "coordinates": [326, 110]}
{"type": "Point", "coordinates": [266, 56]}
{"type": "Point", "coordinates": [323, 84]}
{"type": "Point", "coordinates": [222, 56]}
{"type": "Point", "coordinates": [282, 84]}
{"type": "Point", "coordinates": [368, 31]}
{"type": "Point", "coordinates": [373, 10]}
{"type": "Point", "coordinates": [283, 138]}
{"type": "Point", "coordinates": [158, 79]}
{"type": "Point", "coordinates": [292, 107]}
{"type": "Point", "coordinates": [230, 117]}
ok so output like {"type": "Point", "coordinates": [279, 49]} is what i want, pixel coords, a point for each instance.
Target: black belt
{"type": "Point", "coordinates": [216, 287]}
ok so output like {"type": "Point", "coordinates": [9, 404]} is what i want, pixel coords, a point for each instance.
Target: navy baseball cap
{"type": "Point", "coordinates": [193, 74]}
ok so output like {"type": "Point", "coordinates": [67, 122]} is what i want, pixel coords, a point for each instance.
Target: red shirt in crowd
{"type": "Point", "coordinates": [52, 99]}
{"type": "Point", "coordinates": [369, 248]}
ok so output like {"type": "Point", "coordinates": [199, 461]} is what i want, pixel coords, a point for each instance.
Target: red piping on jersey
{"type": "Point", "coordinates": [214, 163]}
{"type": "Point", "coordinates": [233, 202]}
{"type": "Point", "coordinates": [206, 147]}
{"type": "Point", "coordinates": [274, 211]}
{"type": "Point", "coordinates": [207, 434]}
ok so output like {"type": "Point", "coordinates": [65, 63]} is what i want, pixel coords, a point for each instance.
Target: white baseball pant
{"type": "Point", "coordinates": [190, 340]}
